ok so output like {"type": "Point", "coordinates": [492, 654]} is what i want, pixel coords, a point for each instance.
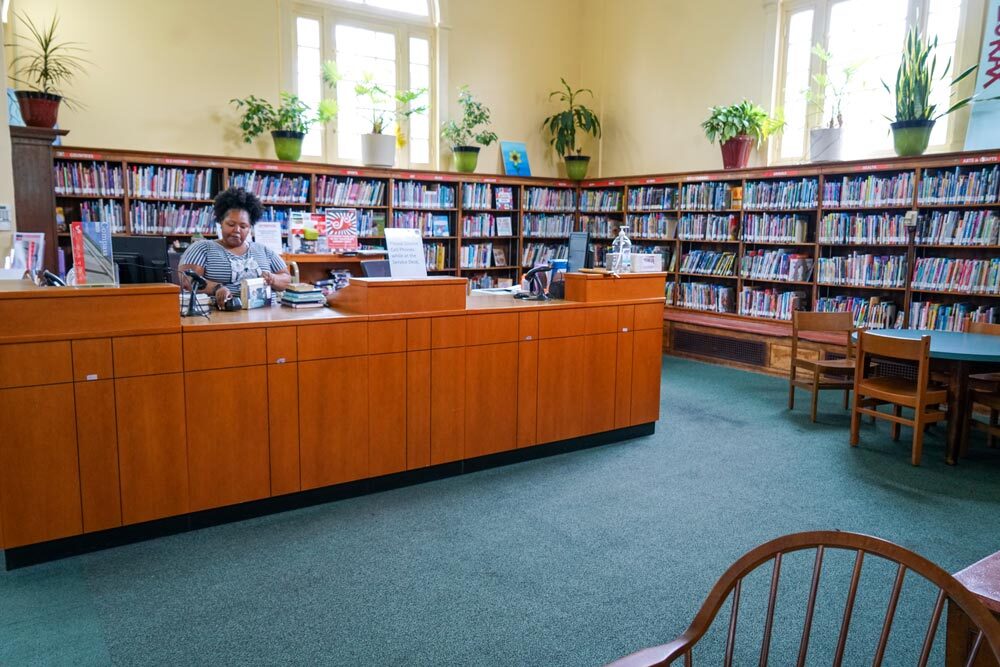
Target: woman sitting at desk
{"type": "Point", "coordinates": [231, 258]}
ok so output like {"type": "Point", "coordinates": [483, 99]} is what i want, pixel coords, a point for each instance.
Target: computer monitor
{"type": "Point", "coordinates": [578, 251]}
{"type": "Point", "coordinates": [140, 259]}
{"type": "Point", "coordinates": [375, 268]}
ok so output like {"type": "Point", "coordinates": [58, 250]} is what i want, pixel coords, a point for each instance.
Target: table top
{"type": "Point", "coordinates": [952, 344]}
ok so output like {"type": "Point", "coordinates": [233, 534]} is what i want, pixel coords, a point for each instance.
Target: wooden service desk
{"type": "Point", "coordinates": [116, 412]}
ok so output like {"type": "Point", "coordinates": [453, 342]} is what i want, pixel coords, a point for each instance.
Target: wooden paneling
{"type": "Point", "coordinates": [492, 328]}
{"type": "Point", "coordinates": [561, 374]}
{"type": "Point", "coordinates": [386, 336]}
{"type": "Point", "coordinates": [598, 389]}
{"type": "Point", "coordinates": [333, 431]}
{"type": "Point", "coordinates": [597, 287]}
{"type": "Point", "coordinates": [418, 334]}
{"type": "Point", "coordinates": [418, 408]}
{"type": "Point", "coordinates": [382, 296]}
{"type": "Point", "coordinates": [39, 468]}
{"type": "Point", "coordinates": [27, 364]}
{"type": "Point", "coordinates": [649, 316]}
{"type": "Point", "coordinates": [147, 355]}
{"type": "Point", "coordinates": [97, 440]}
{"type": "Point", "coordinates": [387, 413]}
{"type": "Point", "coordinates": [447, 332]}
{"type": "Point", "coordinates": [447, 404]}
{"type": "Point", "coordinates": [602, 320]}
{"type": "Point", "coordinates": [281, 345]}
{"type": "Point", "coordinates": [491, 373]}
{"type": "Point", "coordinates": [34, 199]}
{"type": "Point", "coordinates": [626, 318]}
{"type": "Point", "coordinates": [781, 355]}
{"type": "Point", "coordinates": [152, 449]}
{"type": "Point", "coordinates": [283, 427]}
{"type": "Point", "coordinates": [330, 341]}
{"type": "Point", "coordinates": [647, 358]}
{"type": "Point", "coordinates": [527, 326]}
{"type": "Point", "coordinates": [557, 323]}
{"type": "Point", "coordinates": [207, 350]}
{"type": "Point", "coordinates": [623, 381]}
{"type": "Point", "coordinates": [227, 436]}
{"type": "Point", "coordinates": [92, 359]}
{"type": "Point", "coordinates": [527, 392]}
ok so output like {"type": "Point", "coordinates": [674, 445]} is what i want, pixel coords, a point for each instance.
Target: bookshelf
{"type": "Point", "coordinates": [549, 215]}
{"type": "Point", "coordinates": [489, 233]}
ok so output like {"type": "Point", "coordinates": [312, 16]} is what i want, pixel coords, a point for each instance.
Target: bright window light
{"type": "Point", "coordinates": [307, 78]}
{"type": "Point", "coordinates": [415, 7]}
{"type": "Point", "coordinates": [798, 54]}
{"type": "Point", "coordinates": [361, 52]}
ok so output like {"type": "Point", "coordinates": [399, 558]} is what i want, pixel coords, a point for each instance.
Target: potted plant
{"type": "Point", "coordinates": [378, 149]}
{"type": "Point", "coordinates": [288, 124]}
{"type": "Point", "coordinates": [462, 136]}
{"type": "Point", "coordinates": [737, 128]}
{"type": "Point", "coordinates": [563, 126]}
{"type": "Point", "coordinates": [45, 66]}
{"type": "Point", "coordinates": [825, 141]}
{"type": "Point", "coordinates": [915, 115]}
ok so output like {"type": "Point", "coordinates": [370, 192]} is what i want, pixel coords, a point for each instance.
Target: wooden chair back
{"type": "Point", "coordinates": [987, 328]}
{"type": "Point", "coordinates": [949, 589]}
{"type": "Point", "coordinates": [803, 320]}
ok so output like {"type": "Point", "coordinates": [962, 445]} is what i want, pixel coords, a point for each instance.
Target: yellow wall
{"type": "Point", "coordinates": [6, 169]}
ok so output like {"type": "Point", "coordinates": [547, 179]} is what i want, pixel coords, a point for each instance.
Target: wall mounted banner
{"type": "Point", "coordinates": [984, 123]}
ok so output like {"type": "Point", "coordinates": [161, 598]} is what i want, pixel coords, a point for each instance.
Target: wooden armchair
{"type": "Point", "coordinates": [824, 373]}
{"type": "Point", "coordinates": [985, 391]}
{"type": "Point", "coordinates": [986, 641]}
{"type": "Point", "coordinates": [870, 392]}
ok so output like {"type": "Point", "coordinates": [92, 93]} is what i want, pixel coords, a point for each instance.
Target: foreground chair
{"type": "Point", "coordinates": [987, 639]}
{"type": "Point", "coordinates": [825, 373]}
{"type": "Point", "coordinates": [870, 392]}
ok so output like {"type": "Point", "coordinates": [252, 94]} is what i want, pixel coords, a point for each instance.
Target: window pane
{"type": "Point", "coordinates": [942, 22]}
{"type": "Point", "coordinates": [307, 32]}
{"type": "Point", "coordinates": [361, 52]}
{"type": "Point", "coordinates": [307, 78]}
{"type": "Point", "coordinates": [420, 77]}
{"type": "Point", "coordinates": [799, 48]}
{"type": "Point", "coordinates": [418, 7]}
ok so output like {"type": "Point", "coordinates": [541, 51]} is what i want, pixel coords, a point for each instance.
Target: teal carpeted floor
{"type": "Point", "coordinates": [570, 560]}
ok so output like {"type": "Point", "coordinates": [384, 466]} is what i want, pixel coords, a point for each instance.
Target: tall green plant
{"type": "Point", "coordinates": [745, 118]}
{"type": "Point", "coordinates": [916, 76]}
{"type": "Point", "coordinates": [384, 106]}
{"type": "Point", "coordinates": [47, 64]}
{"type": "Point", "coordinates": [292, 114]}
{"type": "Point", "coordinates": [474, 126]}
{"type": "Point", "coordinates": [827, 91]}
{"type": "Point", "coordinates": [563, 125]}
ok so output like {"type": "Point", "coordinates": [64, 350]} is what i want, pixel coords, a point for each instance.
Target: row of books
{"type": "Point", "coordinates": [479, 256]}
{"type": "Point", "coordinates": [884, 228]}
{"type": "Point", "coordinates": [88, 178]}
{"type": "Point", "coordinates": [959, 228]}
{"type": "Point", "coordinates": [770, 303]}
{"type": "Point", "coordinates": [863, 270]}
{"type": "Point", "coordinates": [104, 210]}
{"type": "Point", "coordinates": [707, 196]}
{"type": "Point", "coordinates": [547, 225]}
{"type": "Point", "coordinates": [171, 182]}
{"type": "Point", "coordinates": [949, 316]}
{"type": "Point", "coordinates": [480, 195]}
{"type": "Point", "coordinates": [543, 253]}
{"type": "Point", "coordinates": [487, 224]}
{"type": "Point", "coordinates": [781, 194]}
{"type": "Point", "coordinates": [978, 186]}
{"type": "Point", "coordinates": [599, 226]}
{"type": "Point", "coordinates": [980, 276]}
{"type": "Point", "coordinates": [707, 296]}
{"type": "Point", "coordinates": [487, 280]}
{"type": "Point", "coordinates": [371, 223]}
{"type": "Point", "coordinates": [423, 195]}
{"type": "Point", "coordinates": [273, 187]}
{"type": "Point", "coordinates": [429, 224]}
{"type": "Point", "coordinates": [869, 313]}
{"type": "Point", "coordinates": [775, 228]}
{"type": "Point", "coordinates": [651, 198]}
{"type": "Point", "coordinates": [670, 291]}
{"type": "Point", "coordinates": [303, 295]}
{"type": "Point", "coordinates": [871, 190]}
{"type": "Point", "coordinates": [709, 262]}
{"type": "Point", "coordinates": [436, 256]}
{"type": "Point", "coordinates": [549, 199]}
{"type": "Point", "coordinates": [598, 253]}
{"type": "Point", "coordinates": [699, 226]}
{"type": "Point", "coordinates": [146, 218]}
{"type": "Point", "coordinates": [332, 191]}
{"type": "Point", "coordinates": [776, 265]}
{"type": "Point", "coordinates": [277, 214]}
{"type": "Point", "coordinates": [652, 226]}
{"type": "Point", "coordinates": [601, 200]}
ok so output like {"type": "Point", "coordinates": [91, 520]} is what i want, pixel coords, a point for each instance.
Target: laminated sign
{"type": "Point", "coordinates": [341, 229]}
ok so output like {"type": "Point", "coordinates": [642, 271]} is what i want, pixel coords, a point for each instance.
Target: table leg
{"type": "Point", "coordinates": [958, 391]}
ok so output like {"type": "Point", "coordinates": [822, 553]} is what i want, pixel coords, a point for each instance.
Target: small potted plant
{"type": "Point", "coordinates": [563, 126]}
{"type": "Point", "coordinates": [737, 128]}
{"type": "Point", "coordinates": [915, 115]}
{"type": "Point", "coordinates": [379, 149]}
{"type": "Point", "coordinates": [45, 66]}
{"type": "Point", "coordinates": [473, 129]}
{"type": "Point", "coordinates": [288, 123]}
{"type": "Point", "coordinates": [825, 142]}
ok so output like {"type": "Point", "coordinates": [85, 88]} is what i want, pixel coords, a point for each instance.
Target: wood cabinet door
{"type": "Point", "coordinates": [623, 381]}
{"type": "Point", "coordinates": [228, 459]}
{"type": "Point", "coordinates": [283, 427]}
{"type": "Point", "coordinates": [561, 376]}
{"type": "Point", "coordinates": [152, 446]}
{"type": "Point", "coordinates": [97, 438]}
{"type": "Point", "coordinates": [647, 359]}
{"type": "Point", "coordinates": [600, 357]}
{"type": "Point", "coordinates": [490, 391]}
{"type": "Point", "coordinates": [333, 421]}
{"type": "Point", "coordinates": [39, 467]}
{"type": "Point", "coordinates": [447, 404]}
{"type": "Point", "coordinates": [527, 392]}
{"type": "Point", "coordinates": [387, 413]}
{"type": "Point", "coordinates": [418, 407]}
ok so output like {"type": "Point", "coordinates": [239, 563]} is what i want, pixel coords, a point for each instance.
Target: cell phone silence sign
{"type": "Point", "coordinates": [406, 253]}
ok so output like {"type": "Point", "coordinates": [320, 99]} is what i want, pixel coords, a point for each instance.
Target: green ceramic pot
{"type": "Point", "coordinates": [576, 166]}
{"type": "Point", "coordinates": [466, 158]}
{"type": "Point", "coordinates": [287, 144]}
{"type": "Point", "coordinates": [911, 136]}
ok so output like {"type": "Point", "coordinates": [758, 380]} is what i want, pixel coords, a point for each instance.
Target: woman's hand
{"type": "Point", "coordinates": [278, 281]}
{"type": "Point", "coordinates": [221, 296]}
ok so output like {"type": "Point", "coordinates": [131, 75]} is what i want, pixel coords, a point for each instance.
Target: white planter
{"type": "Point", "coordinates": [825, 144]}
{"type": "Point", "coordinates": [378, 150]}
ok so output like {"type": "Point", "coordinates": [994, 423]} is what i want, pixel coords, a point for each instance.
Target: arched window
{"type": "Point", "coordinates": [391, 41]}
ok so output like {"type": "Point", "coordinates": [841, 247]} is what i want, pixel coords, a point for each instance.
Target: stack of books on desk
{"type": "Point", "coordinates": [302, 295]}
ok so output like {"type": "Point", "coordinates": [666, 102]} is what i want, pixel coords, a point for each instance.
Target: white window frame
{"type": "Point", "coordinates": [403, 26]}
{"type": "Point", "coordinates": [966, 42]}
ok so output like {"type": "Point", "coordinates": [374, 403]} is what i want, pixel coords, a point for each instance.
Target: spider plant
{"type": "Point", "coordinates": [44, 64]}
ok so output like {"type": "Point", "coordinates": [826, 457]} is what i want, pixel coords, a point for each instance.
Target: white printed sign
{"type": "Point", "coordinates": [984, 123]}
{"type": "Point", "coordinates": [268, 234]}
{"type": "Point", "coordinates": [406, 253]}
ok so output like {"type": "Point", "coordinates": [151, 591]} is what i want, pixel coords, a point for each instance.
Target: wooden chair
{"type": "Point", "coordinates": [986, 641]}
{"type": "Point", "coordinates": [985, 391]}
{"type": "Point", "coordinates": [870, 392]}
{"type": "Point", "coordinates": [825, 373]}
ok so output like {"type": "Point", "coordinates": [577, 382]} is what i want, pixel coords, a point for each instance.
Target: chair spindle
{"type": "Point", "coordinates": [765, 646]}
{"type": "Point", "coordinates": [804, 645]}
{"type": "Point", "coordinates": [852, 594]}
{"type": "Point", "coordinates": [890, 614]}
{"type": "Point", "coordinates": [925, 653]}
{"type": "Point", "coordinates": [974, 651]}
{"type": "Point", "coordinates": [731, 638]}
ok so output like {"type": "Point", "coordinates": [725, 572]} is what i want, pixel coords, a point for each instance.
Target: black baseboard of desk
{"type": "Point", "coordinates": [34, 554]}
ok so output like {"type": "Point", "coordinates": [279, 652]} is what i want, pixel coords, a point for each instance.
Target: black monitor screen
{"type": "Point", "coordinates": [577, 251]}
{"type": "Point", "coordinates": [140, 259]}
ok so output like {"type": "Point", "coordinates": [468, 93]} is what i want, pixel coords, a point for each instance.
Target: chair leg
{"type": "Point", "coordinates": [897, 410]}
{"type": "Point", "coordinates": [791, 389]}
{"type": "Point", "coordinates": [847, 399]}
{"type": "Point", "coordinates": [855, 422]}
{"type": "Point", "coordinates": [918, 437]}
{"type": "Point", "coordinates": [815, 396]}
{"type": "Point", "coordinates": [994, 422]}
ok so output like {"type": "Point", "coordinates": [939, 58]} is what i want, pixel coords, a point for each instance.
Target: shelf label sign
{"type": "Point", "coordinates": [984, 122]}
{"type": "Point", "coordinates": [406, 253]}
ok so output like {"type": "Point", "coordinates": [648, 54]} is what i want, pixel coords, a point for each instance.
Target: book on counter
{"type": "Point", "coordinates": [303, 295]}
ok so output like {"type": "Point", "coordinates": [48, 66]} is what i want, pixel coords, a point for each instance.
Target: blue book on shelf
{"type": "Point", "coordinates": [515, 158]}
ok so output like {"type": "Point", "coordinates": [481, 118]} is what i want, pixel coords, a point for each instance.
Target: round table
{"type": "Point", "coordinates": [962, 354]}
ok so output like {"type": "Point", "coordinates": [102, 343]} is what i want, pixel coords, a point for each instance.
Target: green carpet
{"type": "Point", "coordinates": [569, 560]}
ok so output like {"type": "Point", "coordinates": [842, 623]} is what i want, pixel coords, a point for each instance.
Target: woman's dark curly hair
{"type": "Point", "coordinates": [239, 199]}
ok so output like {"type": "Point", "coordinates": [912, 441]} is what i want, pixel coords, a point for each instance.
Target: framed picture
{"type": "Point", "coordinates": [499, 256]}
{"type": "Point", "coordinates": [515, 158]}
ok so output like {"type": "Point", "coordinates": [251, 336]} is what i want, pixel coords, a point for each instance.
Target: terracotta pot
{"type": "Point", "coordinates": [38, 109]}
{"type": "Point", "coordinates": [736, 152]}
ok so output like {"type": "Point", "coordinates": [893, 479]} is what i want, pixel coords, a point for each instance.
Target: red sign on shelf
{"type": "Point", "coordinates": [351, 172]}
{"type": "Point", "coordinates": [980, 159]}
{"type": "Point", "coordinates": [266, 167]}
{"type": "Point", "coordinates": [874, 167]}
{"type": "Point", "coordinates": [173, 160]}
{"type": "Point", "coordinates": [78, 156]}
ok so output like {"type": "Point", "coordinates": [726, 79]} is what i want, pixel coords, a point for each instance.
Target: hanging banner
{"type": "Point", "coordinates": [984, 123]}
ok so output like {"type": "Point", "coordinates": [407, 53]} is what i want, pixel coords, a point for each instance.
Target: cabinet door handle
{"type": "Point", "coordinates": [280, 360]}
{"type": "Point", "coordinates": [91, 377]}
